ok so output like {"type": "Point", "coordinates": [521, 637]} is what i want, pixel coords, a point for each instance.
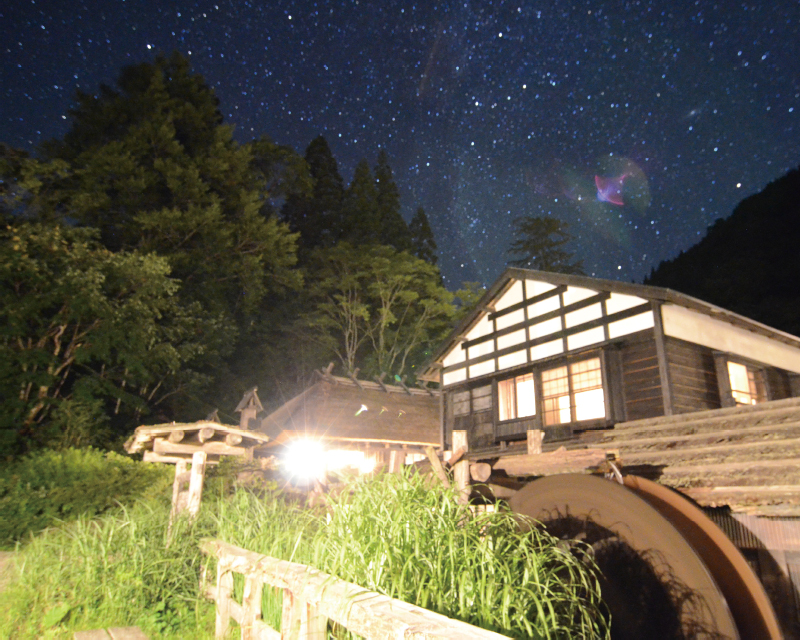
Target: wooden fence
{"type": "Point", "coordinates": [311, 598]}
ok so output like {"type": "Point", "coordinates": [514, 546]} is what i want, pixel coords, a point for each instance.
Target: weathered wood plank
{"type": "Point", "coordinates": [164, 446]}
{"type": "Point", "coordinates": [461, 468]}
{"type": "Point", "coordinates": [196, 482]}
{"type": "Point", "coordinates": [223, 599]}
{"type": "Point", "coordinates": [437, 467]}
{"type": "Point", "coordinates": [534, 439]}
{"type": "Point", "coordinates": [363, 612]}
{"type": "Point", "coordinates": [559, 461]}
{"type": "Point", "coordinates": [251, 606]}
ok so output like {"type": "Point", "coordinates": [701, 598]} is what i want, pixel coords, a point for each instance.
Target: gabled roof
{"type": "Point", "coordinates": [249, 399]}
{"type": "Point", "coordinates": [655, 294]}
{"type": "Point", "coordinates": [645, 293]}
{"type": "Point", "coordinates": [357, 411]}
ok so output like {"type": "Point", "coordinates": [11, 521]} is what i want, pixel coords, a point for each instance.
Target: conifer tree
{"type": "Point", "coordinates": [393, 229]}
{"type": "Point", "coordinates": [540, 244]}
{"type": "Point", "coordinates": [150, 164]}
{"type": "Point", "coordinates": [318, 218]}
{"type": "Point", "coordinates": [423, 244]}
{"type": "Point", "coordinates": [361, 207]}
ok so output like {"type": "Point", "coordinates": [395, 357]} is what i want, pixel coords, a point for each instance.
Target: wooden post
{"type": "Point", "coordinates": [461, 468]}
{"type": "Point", "coordinates": [178, 494]}
{"type": "Point", "coordinates": [316, 624]}
{"type": "Point", "coordinates": [437, 467]}
{"type": "Point", "coordinates": [224, 593]}
{"type": "Point", "coordinates": [396, 461]}
{"type": "Point", "coordinates": [196, 481]}
{"type": "Point", "coordinates": [535, 437]}
{"type": "Point", "coordinates": [251, 605]}
{"type": "Point", "coordinates": [292, 617]}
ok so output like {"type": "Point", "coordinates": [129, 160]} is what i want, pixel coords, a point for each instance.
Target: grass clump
{"type": "Point", "coordinates": [116, 570]}
{"type": "Point", "coordinates": [401, 537]}
{"type": "Point", "coordinates": [47, 486]}
{"type": "Point", "coordinates": [394, 534]}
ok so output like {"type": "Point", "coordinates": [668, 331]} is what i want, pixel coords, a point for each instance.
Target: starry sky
{"type": "Point", "coordinates": [638, 123]}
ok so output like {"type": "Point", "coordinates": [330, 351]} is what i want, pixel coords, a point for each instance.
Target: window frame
{"type": "Point", "coordinates": [538, 419]}
{"type": "Point", "coordinates": [759, 381]}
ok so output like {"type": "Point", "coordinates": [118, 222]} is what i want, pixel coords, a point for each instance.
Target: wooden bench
{"type": "Point", "coordinates": [112, 633]}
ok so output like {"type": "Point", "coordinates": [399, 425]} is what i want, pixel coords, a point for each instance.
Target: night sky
{"type": "Point", "coordinates": [638, 123]}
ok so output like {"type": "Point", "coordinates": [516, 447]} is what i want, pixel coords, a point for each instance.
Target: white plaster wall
{"type": "Point", "coordinates": [701, 329]}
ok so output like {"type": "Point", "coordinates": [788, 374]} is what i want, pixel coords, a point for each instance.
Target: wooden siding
{"type": "Point", "coordinates": [778, 386]}
{"type": "Point", "coordinates": [693, 376]}
{"type": "Point", "coordinates": [641, 380]}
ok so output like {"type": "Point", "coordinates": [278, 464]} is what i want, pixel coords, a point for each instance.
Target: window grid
{"type": "Point", "coordinates": [516, 397]}
{"type": "Point", "coordinates": [573, 393]}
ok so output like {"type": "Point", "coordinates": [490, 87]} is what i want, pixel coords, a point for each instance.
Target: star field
{"type": "Point", "coordinates": [488, 111]}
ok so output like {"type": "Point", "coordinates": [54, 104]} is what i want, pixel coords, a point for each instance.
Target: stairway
{"type": "Point", "coordinates": [746, 457]}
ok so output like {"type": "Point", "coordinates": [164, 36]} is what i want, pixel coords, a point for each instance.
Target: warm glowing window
{"type": "Point", "coordinates": [516, 397]}
{"type": "Point", "coordinates": [746, 384]}
{"type": "Point", "coordinates": [573, 392]}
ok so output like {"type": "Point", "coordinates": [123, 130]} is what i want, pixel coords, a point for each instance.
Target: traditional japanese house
{"type": "Point", "coordinates": [358, 422]}
{"type": "Point", "coordinates": [567, 354]}
{"type": "Point", "coordinates": [669, 389]}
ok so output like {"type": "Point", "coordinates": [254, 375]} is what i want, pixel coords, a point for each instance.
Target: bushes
{"type": "Point", "coordinates": [47, 486]}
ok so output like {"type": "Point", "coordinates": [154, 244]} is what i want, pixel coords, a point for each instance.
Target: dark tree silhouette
{"type": "Point", "coordinates": [540, 244]}
{"type": "Point", "coordinates": [749, 262]}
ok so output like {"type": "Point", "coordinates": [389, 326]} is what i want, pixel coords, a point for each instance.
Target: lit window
{"type": "Point", "coordinates": [516, 397]}
{"type": "Point", "coordinates": [746, 384]}
{"type": "Point", "coordinates": [573, 393]}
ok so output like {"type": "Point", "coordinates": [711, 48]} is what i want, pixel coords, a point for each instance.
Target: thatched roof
{"type": "Point", "coordinates": [357, 411]}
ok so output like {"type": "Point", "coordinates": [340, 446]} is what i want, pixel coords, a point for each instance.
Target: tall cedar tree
{"type": "Point", "coordinates": [423, 244]}
{"type": "Point", "coordinates": [152, 167]}
{"type": "Point", "coordinates": [394, 230]}
{"type": "Point", "coordinates": [540, 245]}
{"type": "Point", "coordinates": [747, 262]}
{"type": "Point", "coordinates": [361, 208]}
{"type": "Point", "coordinates": [318, 218]}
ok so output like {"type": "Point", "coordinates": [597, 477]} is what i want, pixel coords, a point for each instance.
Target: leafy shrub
{"type": "Point", "coordinates": [47, 486]}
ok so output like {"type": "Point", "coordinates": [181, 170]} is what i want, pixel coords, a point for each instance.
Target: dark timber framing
{"type": "Point", "coordinates": [649, 369]}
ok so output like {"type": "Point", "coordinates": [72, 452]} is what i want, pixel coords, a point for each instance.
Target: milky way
{"type": "Point", "coordinates": [488, 111]}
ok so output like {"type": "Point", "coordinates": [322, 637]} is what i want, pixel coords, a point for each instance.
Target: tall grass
{"type": "Point", "coordinates": [116, 570]}
{"type": "Point", "coordinates": [399, 536]}
{"type": "Point", "coordinates": [394, 535]}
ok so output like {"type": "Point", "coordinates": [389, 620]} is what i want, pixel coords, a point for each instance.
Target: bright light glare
{"type": "Point", "coordinates": [305, 460]}
{"type": "Point", "coordinates": [343, 458]}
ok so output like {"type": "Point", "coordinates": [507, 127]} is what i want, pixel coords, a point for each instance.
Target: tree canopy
{"type": "Point", "coordinates": [540, 243]}
{"type": "Point", "coordinates": [153, 267]}
{"type": "Point", "coordinates": [747, 262]}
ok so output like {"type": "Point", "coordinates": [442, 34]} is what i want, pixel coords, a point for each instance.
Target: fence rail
{"type": "Point", "coordinates": [312, 597]}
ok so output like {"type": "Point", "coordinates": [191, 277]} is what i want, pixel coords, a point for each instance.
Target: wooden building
{"type": "Point", "coordinates": [566, 354]}
{"type": "Point", "coordinates": [385, 422]}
